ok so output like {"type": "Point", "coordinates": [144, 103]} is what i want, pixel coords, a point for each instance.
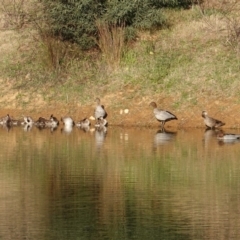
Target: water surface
{"type": "Point", "coordinates": [125, 183]}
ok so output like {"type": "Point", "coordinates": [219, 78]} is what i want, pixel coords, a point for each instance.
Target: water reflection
{"type": "Point", "coordinates": [46, 129]}
{"type": "Point", "coordinates": [228, 141]}
{"type": "Point", "coordinates": [27, 127]}
{"type": "Point", "coordinates": [5, 127]}
{"type": "Point", "coordinates": [85, 128]}
{"type": "Point", "coordinates": [100, 135]}
{"type": "Point", "coordinates": [57, 186]}
{"type": "Point", "coordinates": [210, 137]}
{"type": "Point", "coordinates": [67, 129]}
{"type": "Point", "coordinates": [163, 137]}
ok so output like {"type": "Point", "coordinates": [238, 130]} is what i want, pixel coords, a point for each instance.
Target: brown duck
{"type": "Point", "coordinates": [162, 115]}
{"type": "Point", "coordinates": [211, 122]}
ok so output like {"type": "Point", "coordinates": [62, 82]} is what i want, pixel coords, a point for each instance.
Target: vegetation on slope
{"type": "Point", "coordinates": [193, 55]}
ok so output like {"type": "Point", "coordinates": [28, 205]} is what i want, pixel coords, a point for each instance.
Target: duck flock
{"type": "Point", "coordinates": [101, 122]}
{"type": "Point", "coordinates": [210, 122]}
{"type": "Point", "coordinates": [27, 121]}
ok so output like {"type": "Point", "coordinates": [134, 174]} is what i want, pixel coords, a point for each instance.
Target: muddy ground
{"type": "Point", "coordinates": [135, 112]}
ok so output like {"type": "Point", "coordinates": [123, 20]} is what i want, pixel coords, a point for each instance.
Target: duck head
{"type": "Point", "coordinates": [97, 100]}
{"type": "Point", "coordinates": [204, 114]}
{"type": "Point", "coordinates": [153, 104]}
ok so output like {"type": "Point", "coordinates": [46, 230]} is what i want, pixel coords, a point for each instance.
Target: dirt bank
{"type": "Point", "coordinates": [138, 112]}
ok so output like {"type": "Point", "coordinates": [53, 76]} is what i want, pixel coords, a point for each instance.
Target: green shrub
{"type": "Point", "coordinates": [75, 20]}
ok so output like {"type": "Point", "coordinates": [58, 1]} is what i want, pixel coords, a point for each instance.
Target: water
{"type": "Point", "coordinates": [127, 183]}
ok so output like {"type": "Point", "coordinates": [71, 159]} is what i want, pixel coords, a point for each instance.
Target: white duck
{"type": "Point", "coordinates": [68, 121]}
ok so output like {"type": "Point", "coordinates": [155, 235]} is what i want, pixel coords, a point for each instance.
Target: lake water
{"type": "Point", "coordinates": [126, 183]}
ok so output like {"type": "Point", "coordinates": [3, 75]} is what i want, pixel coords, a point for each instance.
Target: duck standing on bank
{"type": "Point", "coordinates": [162, 115]}
{"type": "Point", "coordinates": [99, 110]}
{"type": "Point", "coordinates": [211, 122]}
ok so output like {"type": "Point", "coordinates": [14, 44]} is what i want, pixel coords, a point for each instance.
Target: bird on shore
{"type": "Point", "coordinates": [27, 121]}
{"type": "Point", "coordinates": [211, 122]}
{"type": "Point", "coordinates": [6, 120]}
{"type": "Point", "coordinates": [51, 122]}
{"type": "Point", "coordinates": [41, 122]}
{"type": "Point", "coordinates": [83, 123]}
{"type": "Point", "coordinates": [162, 116]}
{"type": "Point", "coordinates": [68, 121]}
{"type": "Point", "coordinates": [14, 122]}
{"type": "Point", "coordinates": [101, 122]}
{"type": "Point", "coordinates": [99, 110]}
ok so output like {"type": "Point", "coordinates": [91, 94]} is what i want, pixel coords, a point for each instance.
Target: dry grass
{"type": "Point", "coordinates": [187, 63]}
{"type": "Point", "coordinates": [111, 42]}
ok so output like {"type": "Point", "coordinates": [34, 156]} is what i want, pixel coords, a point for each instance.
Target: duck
{"type": "Point", "coordinates": [13, 122]}
{"type": "Point", "coordinates": [162, 116]}
{"type": "Point", "coordinates": [99, 110]}
{"type": "Point", "coordinates": [83, 123]}
{"type": "Point", "coordinates": [101, 122]}
{"type": "Point", "coordinates": [68, 121]}
{"type": "Point", "coordinates": [27, 121]}
{"type": "Point", "coordinates": [228, 136]}
{"type": "Point", "coordinates": [41, 122]}
{"type": "Point", "coordinates": [51, 122]}
{"type": "Point", "coordinates": [6, 120]}
{"type": "Point", "coordinates": [211, 122]}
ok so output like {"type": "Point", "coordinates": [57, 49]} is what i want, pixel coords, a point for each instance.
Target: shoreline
{"type": "Point", "coordinates": [131, 119]}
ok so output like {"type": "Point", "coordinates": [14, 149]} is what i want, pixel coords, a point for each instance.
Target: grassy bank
{"type": "Point", "coordinates": [193, 63]}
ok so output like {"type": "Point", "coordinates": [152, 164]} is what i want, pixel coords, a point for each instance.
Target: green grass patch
{"type": "Point", "coordinates": [184, 61]}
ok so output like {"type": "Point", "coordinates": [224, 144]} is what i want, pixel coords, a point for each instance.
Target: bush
{"type": "Point", "coordinates": [75, 20]}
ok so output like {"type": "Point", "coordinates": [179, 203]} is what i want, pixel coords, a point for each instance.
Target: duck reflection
{"type": "Point", "coordinates": [85, 129]}
{"type": "Point", "coordinates": [163, 137]}
{"type": "Point", "coordinates": [210, 136]}
{"type": "Point", "coordinates": [52, 129]}
{"type": "Point", "coordinates": [6, 127]}
{"type": "Point", "coordinates": [100, 135]}
{"type": "Point", "coordinates": [67, 129]}
{"type": "Point", "coordinates": [27, 127]}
